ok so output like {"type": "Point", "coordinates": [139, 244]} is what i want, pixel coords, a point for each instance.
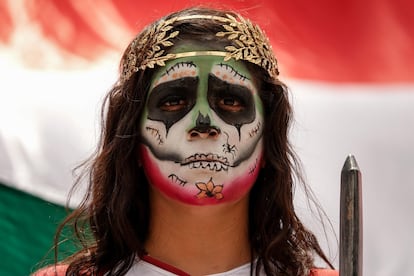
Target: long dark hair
{"type": "Point", "coordinates": [115, 209]}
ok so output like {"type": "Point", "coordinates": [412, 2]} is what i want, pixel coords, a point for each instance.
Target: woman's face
{"type": "Point", "coordinates": [202, 130]}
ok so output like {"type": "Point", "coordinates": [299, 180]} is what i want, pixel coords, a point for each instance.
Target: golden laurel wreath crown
{"type": "Point", "coordinates": [249, 43]}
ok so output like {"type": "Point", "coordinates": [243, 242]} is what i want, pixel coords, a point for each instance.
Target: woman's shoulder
{"type": "Point", "coordinates": [323, 272]}
{"type": "Point", "coordinates": [55, 270]}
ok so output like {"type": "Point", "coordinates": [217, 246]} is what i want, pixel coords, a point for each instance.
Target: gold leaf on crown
{"type": "Point", "coordinates": [252, 44]}
{"type": "Point", "coordinates": [249, 43]}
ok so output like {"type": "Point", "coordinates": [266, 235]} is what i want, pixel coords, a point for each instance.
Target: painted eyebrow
{"type": "Point", "coordinates": [176, 66]}
{"type": "Point", "coordinates": [233, 71]}
{"type": "Point", "coordinates": [171, 84]}
{"type": "Point", "coordinates": [212, 79]}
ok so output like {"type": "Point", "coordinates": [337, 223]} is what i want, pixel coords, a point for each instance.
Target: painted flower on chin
{"type": "Point", "coordinates": [209, 190]}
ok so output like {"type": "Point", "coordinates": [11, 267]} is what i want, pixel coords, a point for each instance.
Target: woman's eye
{"type": "Point", "coordinates": [230, 104]}
{"type": "Point", "coordinates": [173, 104]}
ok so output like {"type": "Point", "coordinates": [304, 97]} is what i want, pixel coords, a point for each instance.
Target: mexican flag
{"type": "Point", "coordinates": [349, 66]}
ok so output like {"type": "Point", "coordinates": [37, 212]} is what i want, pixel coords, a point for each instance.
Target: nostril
{"type": "Point", "coordinates": [213, 133]}
{"type": "Point", "coordinates": [203, 133]}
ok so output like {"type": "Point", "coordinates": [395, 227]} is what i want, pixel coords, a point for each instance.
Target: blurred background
{"type": "Point", "coordinates": [349, 66]}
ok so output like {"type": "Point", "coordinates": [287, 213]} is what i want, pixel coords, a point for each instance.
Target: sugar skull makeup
{"type": "Point", "coordinates": [202, 130]}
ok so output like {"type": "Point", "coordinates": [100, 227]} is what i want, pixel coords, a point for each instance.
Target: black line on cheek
{"type": "Point", "coordinates": [175, 178]}
{"type": "Point", "coordinates": [255, 130]}
{"type": "Point", "coordinates": [161, 155]}
{"type": "Point", "coordinates": [156, 134]}
{"type": "Point", "coordinates": [253, 168]}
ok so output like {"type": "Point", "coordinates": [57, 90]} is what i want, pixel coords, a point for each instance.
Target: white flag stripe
{"type": "Point", "coordinates": [376, 124]}
{"type": "Point", "coordinates": [48, 125]}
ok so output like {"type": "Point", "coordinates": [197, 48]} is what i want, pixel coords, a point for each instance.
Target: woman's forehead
{"type": "Point", "coordinates": [234, 72]}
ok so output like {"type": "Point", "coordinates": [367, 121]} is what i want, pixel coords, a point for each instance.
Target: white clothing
{"type": "Point", "coordinates": [142, 267]}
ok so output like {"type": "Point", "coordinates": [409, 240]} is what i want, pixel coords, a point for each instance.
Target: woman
{"type": "Point", "coordinates": [194, 172]}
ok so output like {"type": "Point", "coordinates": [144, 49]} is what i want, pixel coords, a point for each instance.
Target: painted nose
{"type": "Point", "coordinates": [203, 129]}
{"type": "Point", "coordinates": [203, 133]}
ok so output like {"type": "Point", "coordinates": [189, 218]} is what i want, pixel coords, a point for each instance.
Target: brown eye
{"type": "Point", "coordinates": [230, 104]}
{"type": "Point", "coordinates": [173, 104]}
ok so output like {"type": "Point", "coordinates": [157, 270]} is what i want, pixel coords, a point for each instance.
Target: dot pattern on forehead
{"type": "Point", "coordinates": [230, 75]}
{"type": "Point", "coordinates": [178, 71]}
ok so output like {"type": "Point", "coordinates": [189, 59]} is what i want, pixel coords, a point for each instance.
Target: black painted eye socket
{"type": "Point", "coordinates": [233, 103]}
{"type": "Point", "coordinates": [170, 101]}
{"type": "Point", "coordinates": [230, 104]}
{"type": "Point", "coordinates": [173, 103]}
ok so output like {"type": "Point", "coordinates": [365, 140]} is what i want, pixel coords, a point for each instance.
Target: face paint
{"type": "Point", "coordinates": [230, 97]}
{"type": "Point", "coordinates": [202, 130]}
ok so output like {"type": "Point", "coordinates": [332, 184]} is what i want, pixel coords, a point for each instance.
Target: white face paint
{"type": "Point", "coordinates": [202, 130]}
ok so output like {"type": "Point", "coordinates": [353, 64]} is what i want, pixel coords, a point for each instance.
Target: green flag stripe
{"type": "Point", "coordinates": [27, 227]}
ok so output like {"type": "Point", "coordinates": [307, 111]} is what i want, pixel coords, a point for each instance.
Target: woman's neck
{"type": "Point", "coordinates": [199, 240]}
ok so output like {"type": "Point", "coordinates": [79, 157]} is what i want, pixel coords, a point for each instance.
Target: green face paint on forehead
{"type": "Point", "coordinates": [203, 84]}
{"type": "Point", "coordinates": [234, 72]}
{"type": "Point", "coordinates": [203, 64]}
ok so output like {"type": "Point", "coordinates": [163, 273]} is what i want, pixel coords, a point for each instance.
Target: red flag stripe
{"type": "Point", "coordinates": [352, 41]}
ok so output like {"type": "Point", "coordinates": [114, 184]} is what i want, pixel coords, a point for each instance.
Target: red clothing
{"type": "Point", "coordinates": [323, 272]}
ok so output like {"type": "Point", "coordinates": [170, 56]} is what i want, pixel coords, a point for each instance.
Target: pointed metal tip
{"type": "Point", "coordinates": [350, 164]}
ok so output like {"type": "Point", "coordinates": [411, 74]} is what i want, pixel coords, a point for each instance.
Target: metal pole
{"type": "Point", "coordinates": [350, 240]}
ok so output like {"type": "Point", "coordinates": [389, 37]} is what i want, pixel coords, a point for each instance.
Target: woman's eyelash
{"type": "Point", "coordinates": [170, 99]}
{"type": "Point", "coordinates": [232, 98]}
{"type": "Point", "coordinates": [233, 71]}
{"type": "Point", "coordinates": [176, 66]}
